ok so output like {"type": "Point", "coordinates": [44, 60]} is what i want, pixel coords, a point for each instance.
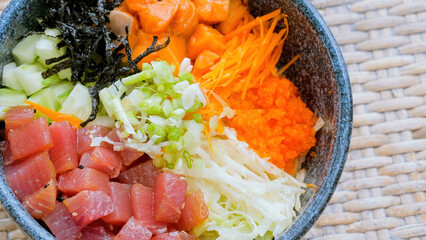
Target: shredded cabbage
{"type": "Point", "coordinates": [247, 196]}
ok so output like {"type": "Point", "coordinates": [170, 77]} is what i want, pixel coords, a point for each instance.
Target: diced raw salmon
{"type": "Point", "coordinates": [212, 11]}
{"type": "Point", "coordinates": [185, 20]}
{"type": "Point", "coordinates": [61, 223]}
{"type": "Point", "coordinates": [205, 38]}
{"type": "Point", "coordinates": [143, 209]}
{"type": "Point", "coordinates": [87, 134]}
{"type": "Point", "coordinates": [30, 138]}
{"type": "Point", "coordinates": [88, 206]}
{"type": "Point", "coordinates": [30, 174]}
{"type": "Point", "coordinates": [144, 173]}
{"type": "Point", "coordinates": [42, 202]}
{"type": "Point", "coordinates": [64, 152]}
{"type": "Point", "coordinates": [194, 212]}
{"type": "Point", "coordinates": [17, 116]}
{"type": "Point", "coordinates": [95, 232]}
{"type": "Point", "coordinates": [175, 236]}
{"type": "Point", "coordinates": [169, 197]}
{"type": "Point", "coordinates": [77, 180]}
{"type": "Point", "coordinates": [133, 230]}
{"type": "Point", "coordinates": [155, 18]}
{"type": "Point", "coordinates": [120, 196]}
{"type": "Point", "coordinates": [102, 159]}
{"type": "Point", "coordinates": [7, 154]}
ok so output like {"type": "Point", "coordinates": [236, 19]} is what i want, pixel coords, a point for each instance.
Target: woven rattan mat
{"type": "Point", "coordinates": [381, 194]}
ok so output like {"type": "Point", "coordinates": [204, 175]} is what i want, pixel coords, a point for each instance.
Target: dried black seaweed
{"type": "Point", "coordinates": [94, 53]}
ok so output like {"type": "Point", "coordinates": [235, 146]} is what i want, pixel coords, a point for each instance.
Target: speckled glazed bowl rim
{"type": "Point", "coordinates": [309, 216]}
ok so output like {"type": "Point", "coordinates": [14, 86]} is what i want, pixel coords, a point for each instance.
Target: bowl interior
{"type": "Point", "coordinates": [320, 74]}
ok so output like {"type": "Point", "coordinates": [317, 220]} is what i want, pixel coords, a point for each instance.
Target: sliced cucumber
{"type": "Point", "coordinates": [46, 49]}
{"type": "Point", "coordinates": [29, 77]}
{"type": "Point", "coordinates": [53, 32]}
{"type": "Point", "coordinates": [65, 74]}
{"type": "Point", "coordinates": [9, 79]}
{"type": "Point", "coordinates": [78, 103]}
{"type": "Point", "coordinates": [24, 51]}
{"type": "Point", "coordinates": [62, 90]}
{"type": "Point", "coordinates": [45, 97]}
{"type": "Point", "coordinates": [10, 97]}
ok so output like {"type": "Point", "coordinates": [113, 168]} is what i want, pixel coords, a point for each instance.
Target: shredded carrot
{"type": "Point", "coordinates": [310, 185]}
{"type": "Point", "coordinates": [56, 116]}
{"type": "Point", "coordinates": [206, 132]}
{"type": "Point", "coordinates": [269, 114]}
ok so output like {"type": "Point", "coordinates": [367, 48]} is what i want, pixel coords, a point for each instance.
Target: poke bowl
{"type": "Point", "coordinates": [312, 61]}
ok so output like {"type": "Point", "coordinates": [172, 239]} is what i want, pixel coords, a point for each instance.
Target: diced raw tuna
{"type": "Point", "coordinates": [7, 154]}
{"type": "Point", "coordinates": [175, 236]}
{"type": "Point", "coordinates": [88, 206]}
{"type": "Point", "coordinates": [64, 152]}
{"type": "Point", "coordinates": [144, 173]}
{"type": "Point", "coordinates": [30, 174]}
{"type": "Point", "coordinates": [61, 223]}
{"type": "Point", "coordinates": [42, 202]}
{"type": "Point", "coordinates": [102, 159]}
{"type": "Point", "coordinates": [194, 212]}
{"type": "Point", "coordinates": [86, 135]}
{"type": "Point", "coordinates": [169, 197]}
{"type": "Point", "coordinates": [142, 206]}
{"type": "Point", "coordinates": [133, 230]}
{"type": "Point", "coordinates": [77, 180]}
{"type": "Point", "coordinates": [127, 155]}
{"type": "Point", "coordinates": [95, 232]}
{"type": "Point", "coordinates": [120, 196]}
{"type": "Point", "coordinates": [30, 138]}
{"type": "Point", "coordinates": [17, 116]}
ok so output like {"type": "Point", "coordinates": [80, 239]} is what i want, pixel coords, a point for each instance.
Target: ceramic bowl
{"type": "Point", "coordinates": [320, 74]}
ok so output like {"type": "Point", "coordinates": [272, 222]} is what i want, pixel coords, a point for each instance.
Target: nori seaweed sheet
{"type": "Point", "coordinates": [94, 53]}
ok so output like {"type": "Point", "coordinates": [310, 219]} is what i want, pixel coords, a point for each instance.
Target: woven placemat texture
{"type": "Point", "coordinates": [381, 194]}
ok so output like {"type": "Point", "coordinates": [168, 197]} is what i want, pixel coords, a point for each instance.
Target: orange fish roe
{"type": "Point", "coordinates": [274, 121]}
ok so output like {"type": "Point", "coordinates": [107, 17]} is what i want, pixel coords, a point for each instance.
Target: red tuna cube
{"type": "Point", "coordinates": [17, 116]}
{"type": "Point", "coordinates": [133, 230]}
{"type": "Point", "coordinates": [64, 152]}
{"type": "Point", "coordinates": [61, 223]}
{"type": "Point", "coordinates": [7, 154]}
{"type": "Point", "coordinates": [30, 138]}
{"type": "Point", "coordinates": [175, 236]}
{"type": "Point", "coordinates": [169, 197]}
{"type": "Point", "coordinates": [102, 159]}
{"type": "Point", "coordinates": [194, 212]}
{"type": "Point", "coordinates": [29, 175]}
{"type": "Point", "coordinates": [120, 196]}
{"type": "Point", "coordinates": [95, 232]}
{"type": "Point", "coordinates": [127, 155]}
{"type": "Point", "coordinates": [144, 173]}
{"type": "Point", "coordinates": [143, 210]}
{"type": "Point", "coordinates": [77, 180]}
{"type": "Point", "coordinates": [88, 206]}
{"type": "Point", "coordinates": [42, 202]}
{"type": "Point", "coordinates": [87, 134]}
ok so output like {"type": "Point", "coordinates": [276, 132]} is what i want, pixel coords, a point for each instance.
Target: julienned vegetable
{"type": "Point", "coordinates": [185, 82]}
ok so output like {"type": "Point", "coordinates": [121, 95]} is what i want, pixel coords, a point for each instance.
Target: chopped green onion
{"type": "Point", "coordinates": [138, 77]}
{"type": "Point", "coordinates": [146, 66]}
{"type": "Point", "coordinates": [171, 165]}
{"type": "Point", "coordinates": [186, 76]}
{"type": "Point", "coordinates": [170, 148]}
{"type": "Point", "coordinates": [167, 108]}
{"type": "Point", "coordinates": [197, 118]}
{"type": "Point", "coordinates": [188, 159]}
{"type": "Point", "coordinates": [156, 130]}
{"type": "Point", "coordinates": [175, 134]}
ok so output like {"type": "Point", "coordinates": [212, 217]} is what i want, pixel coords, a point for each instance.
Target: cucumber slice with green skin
{"type": "Point", "coordinates": [46, 49]}
{"type": "Point", "coordinates": [62, 90]}
{"type": "Point", "coordinates": [78, 103]}
{"type": "Point", "coordinates": [65, 74]}
{"type": "Point", "coordinates": [45, 97]}
{"type": "Point", "coordinates": [24, 51]}
{"type": "Point", "coordinates": [29, 77]}
{"type": "Point", "coordinates": [9, 79]}
{"type": "Point", "coordinates": [10, 97]}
